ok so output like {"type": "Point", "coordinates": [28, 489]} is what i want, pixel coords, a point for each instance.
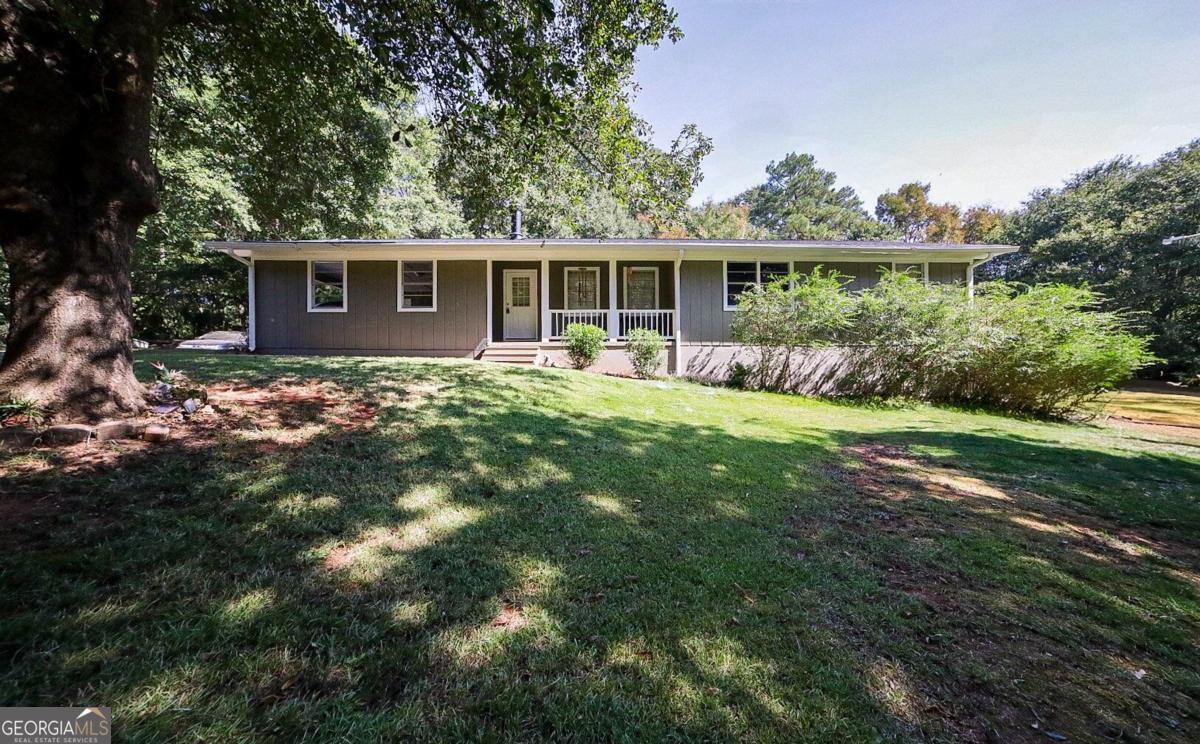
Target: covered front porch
{"type": "Point", "coordinates": [538, 300]}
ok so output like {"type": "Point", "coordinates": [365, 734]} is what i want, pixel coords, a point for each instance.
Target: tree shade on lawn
{"type": "Point", "coordinates": [77, 174]}
{"type": "Point", "coordinates": [389, 549]}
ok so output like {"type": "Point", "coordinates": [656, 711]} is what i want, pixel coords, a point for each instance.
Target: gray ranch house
{"type": "Point", "coordinates": [511, 300]}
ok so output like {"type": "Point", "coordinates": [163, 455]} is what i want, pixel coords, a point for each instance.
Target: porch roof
{"type": "Point", "coordinates": [599, 248]}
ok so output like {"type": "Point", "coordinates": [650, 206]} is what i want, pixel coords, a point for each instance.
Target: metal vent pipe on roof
{"type": "Point", "coordinates": [516, 225]}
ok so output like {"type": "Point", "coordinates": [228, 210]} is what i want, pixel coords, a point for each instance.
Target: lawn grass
{"type": "Point", "coordinates": [1156, 404]}
{"type": "Point", "coordinates": [445, 550]}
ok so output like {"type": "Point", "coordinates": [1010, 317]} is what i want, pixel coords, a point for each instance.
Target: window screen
{"type": "Point", "coordinates": [769, 271]}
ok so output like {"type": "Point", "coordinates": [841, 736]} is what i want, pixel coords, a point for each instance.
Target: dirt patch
{"type": "Point", "coordinates": [345, 556]}
{"type": "Point", "coordinates": [279, 413]}
{"type": "Point", "coordinates": [1174, 431]}
{"type": "Point", "coordinates": [510, 617]}
{"type": "Point", "coordinates": [246, 421]}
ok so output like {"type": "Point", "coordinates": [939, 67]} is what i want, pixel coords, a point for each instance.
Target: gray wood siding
{"type": "Point", "coordinates": [703, 316]}
{"type": "Point", "coordinates": [371, 322]}
{"type": "Point", "coordinates": [863, 274]}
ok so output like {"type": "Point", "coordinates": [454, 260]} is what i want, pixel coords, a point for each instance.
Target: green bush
{"type": "Point", "coordinates": [1043, 350]}
{"type": "Point", "coordinates": [739, 376]}
{"type": "Point", "coordinates": [781, 317]}
{"type": "Point", "coordinates": [644, 347]}
{"type": "Point", "coordinates": [583, 343]}
{"type": "Point", "coordinates": [1046, 349]}
{"type": "Point", "coordinates": [21, 411]}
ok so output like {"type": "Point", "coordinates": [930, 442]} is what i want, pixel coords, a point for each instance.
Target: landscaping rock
{"type": "Point", "coordinates": [18, 436]}
{"type": "Point", "coordinates": [119, 430]}
{"type": "Point", "coordinates": [156, 433]}
{"type": "Point", "coordinates": [68, 434]}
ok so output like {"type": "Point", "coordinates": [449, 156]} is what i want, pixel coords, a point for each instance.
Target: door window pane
{"type": "Point", "coordinates": [520, 291]}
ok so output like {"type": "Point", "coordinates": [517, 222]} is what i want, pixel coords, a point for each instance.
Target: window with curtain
{"type": "Point", "coordinates": [583, 288]}
{"type": "Point", "coordinates": [641, 288]}
{"type": "Point", "coordinates": [417, 285]}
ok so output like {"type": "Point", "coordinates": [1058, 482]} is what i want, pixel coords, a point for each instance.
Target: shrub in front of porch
{"type": "Point", "coordinates": [644, 347]}
{"type": "Point", "coordinates": [583, 343]}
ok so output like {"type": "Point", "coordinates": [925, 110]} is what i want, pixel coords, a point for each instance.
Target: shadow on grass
{"type": "Point", "coordinates": [488, 560]}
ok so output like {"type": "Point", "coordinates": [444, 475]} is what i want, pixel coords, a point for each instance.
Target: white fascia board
{"type": "Point", "coordinates": [531, 250]}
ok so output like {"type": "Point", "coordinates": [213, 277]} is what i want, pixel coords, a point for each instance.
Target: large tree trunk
{"type": "Point", "coordinates": [76, 182]}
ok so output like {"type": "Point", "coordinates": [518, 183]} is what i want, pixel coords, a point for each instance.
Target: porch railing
{"type": "Point", "coordinates": [560, 319]}
{"type": "Point", "coordinates": [662, 321]}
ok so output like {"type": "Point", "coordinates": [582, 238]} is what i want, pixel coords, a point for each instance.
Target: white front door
{"type": "Point", "coordinates": [520, 304]}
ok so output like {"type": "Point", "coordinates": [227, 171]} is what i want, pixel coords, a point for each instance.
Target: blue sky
{"type": "Point", "coordinates": [987, 101]}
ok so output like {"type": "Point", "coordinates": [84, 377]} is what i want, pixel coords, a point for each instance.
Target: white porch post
{"type": "Point", "coordinates": [614, 323]}
{"type": "Point", "coordinates": [251, 336]}
{"type": "Point", "coordinates": [544, 299]}
{"type": "Point", "coordinates": [971, 278]}
{"type": "Point", "coordinates": [488, 334]}
{"type": "Point", "coordinates": [676, 324]}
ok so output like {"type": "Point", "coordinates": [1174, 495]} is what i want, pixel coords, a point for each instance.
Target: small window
{"type": "Point", "coordinates": [740, 275]}
{"type": "Point", "coordinates": [915, 270]}
{"type": "Point", "coordinates": [769, 271]}
{"type": "Point", "coordinates": [327, 286]}
{"type": "Point", "coordinates": [417, 291]}
{"type": "Point", "coordinates": [582, 287]}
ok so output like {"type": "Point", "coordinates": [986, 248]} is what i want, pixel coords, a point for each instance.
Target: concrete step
{"type": "Point", "coordinates": [511, 354]}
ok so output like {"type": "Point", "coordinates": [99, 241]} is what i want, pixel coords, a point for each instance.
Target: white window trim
{"type": "Point", "coordinates": [400, 308]}
{"type": "Point", "coordinates": [345, 287]}
{"type": "Point", "coordinates": [924, 269]}
{"type": "Point", "coordinates": [757, 277]}
{"type": "Point", "coordinates": [625, 285]}
{"type": "Point", "coordinates": [567, 287]}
